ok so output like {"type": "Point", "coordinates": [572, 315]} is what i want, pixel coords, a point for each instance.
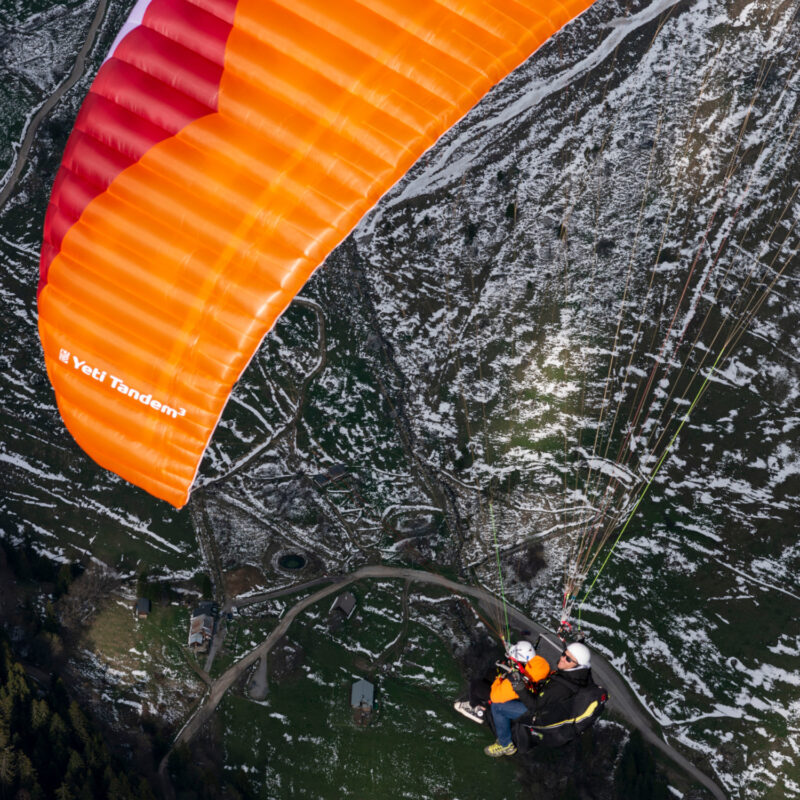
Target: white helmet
{"type": "Point", "coordinates": [522, 651]}
{"type": "Point", "coordinates": [581, 653]}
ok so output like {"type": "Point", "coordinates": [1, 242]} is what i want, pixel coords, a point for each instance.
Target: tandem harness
{"type": "Point", "coordinates": [582, 711]}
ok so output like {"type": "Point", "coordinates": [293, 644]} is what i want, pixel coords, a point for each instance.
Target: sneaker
{"type": "Point", "coordinates": [475, 713]}
{"type": "Point", "coordinates": [496, 750]}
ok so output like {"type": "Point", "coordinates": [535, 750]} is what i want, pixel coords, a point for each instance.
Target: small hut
{"type": "Point", "coordinates": [344, 604]}
{"type": "Point", "coordinates": [201, 627]}
{"type": "Point", "coordinates": [331, 475]}
{"type": "Point", "coordinates": [142, 608]}
{"type": "Point", "coordinates": [362, 701]}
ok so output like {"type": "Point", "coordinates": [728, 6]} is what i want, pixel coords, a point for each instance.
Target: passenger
{"type": "Point", "coordinates": [550, 702]}
{"type": "Point", "coordinates": [521, 671]}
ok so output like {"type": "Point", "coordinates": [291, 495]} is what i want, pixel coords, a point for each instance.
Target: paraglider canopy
{"type": "Point", "coordinates": [224, 149]}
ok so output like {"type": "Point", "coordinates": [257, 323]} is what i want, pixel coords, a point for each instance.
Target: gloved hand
{"type": "Point", "coordinates": [517, 681]}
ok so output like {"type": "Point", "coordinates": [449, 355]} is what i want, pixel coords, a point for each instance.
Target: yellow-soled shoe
{"type": "Point", "coordinates": [496, 750]}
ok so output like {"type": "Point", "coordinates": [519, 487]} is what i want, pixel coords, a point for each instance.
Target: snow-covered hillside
{"type": "Point", "coordinates": [611, 211]}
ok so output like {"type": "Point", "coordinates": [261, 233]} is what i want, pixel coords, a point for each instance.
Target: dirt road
{"type": "Point", "coordinates": [78, 69]}
{"type": "Point", "coordinates": [622, 700]}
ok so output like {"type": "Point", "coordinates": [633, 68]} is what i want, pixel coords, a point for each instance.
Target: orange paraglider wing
{"type": "Point", "coordinates": [224, 149]}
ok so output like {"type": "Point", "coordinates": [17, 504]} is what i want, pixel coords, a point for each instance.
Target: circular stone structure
{"type": "Point", "coordinates": [414, 522]}
{"type": "Point", "coordinates": [292, 561]}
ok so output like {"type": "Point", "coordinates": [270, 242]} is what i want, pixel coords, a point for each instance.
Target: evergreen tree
{"type": "Point", "coordinates": [58, 738]}
{"type": "Point", "coordinates": [75, 766]}
{"type": "Point", "coordinates": [205, 586]}
{"type": "Point", "coordinates": [64, 793]}
{"type": "Point", "coordinates": [63, 579]}
{"type": "Point", "coordinates": [8, 766]}
{"type": "Point", "coordinates": [40, 714]}
{"type": "Point", "coordinates": [26, 773]}
{"type": "Point", "coordinates": [79, 722]}
{"type": "Point", "coordinates": [49, 747]}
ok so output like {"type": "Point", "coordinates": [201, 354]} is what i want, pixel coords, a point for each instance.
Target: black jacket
{"type": "Point", "coordinates": [553, 702]}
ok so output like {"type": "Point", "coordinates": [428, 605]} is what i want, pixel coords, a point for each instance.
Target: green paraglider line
{"type": "Point", "coordinates": [652, 478]}
{"type": "Point", "coordinates": [499, 572]}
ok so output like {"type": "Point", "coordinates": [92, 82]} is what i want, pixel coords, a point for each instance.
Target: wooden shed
{"type": "Point", "coordinates": [142, 608]}
{"type": "Point", "coordinates": [362, 695]}
{"type": "Point", "coordinates": [201, 626]}
{"type": "Point", "coordinates": [333, 474]}
{"type": "Point", "coordinates": [345, 603]}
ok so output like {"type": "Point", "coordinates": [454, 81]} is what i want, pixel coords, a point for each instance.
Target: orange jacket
{"type": "Point", "coordinates": [536, 669]}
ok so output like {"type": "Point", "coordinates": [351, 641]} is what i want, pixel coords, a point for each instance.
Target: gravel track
{"type": "Point", "coordinates": [622, 700]}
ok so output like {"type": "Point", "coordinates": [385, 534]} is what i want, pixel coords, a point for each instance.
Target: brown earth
{"type": "Point", "coordinates": [243, 580]}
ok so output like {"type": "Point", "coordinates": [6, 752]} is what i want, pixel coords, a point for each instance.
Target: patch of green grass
{"type": "Point", "coordinates": [374, 625]}
{"type": "Point", "coordinates": [242, 635]}
{"type": "Point", "coordinates": [550, 444]}
{"type": "Point", "coordinates": [415, 746]}
{"type": "Point", "coordinates": [154, 645]}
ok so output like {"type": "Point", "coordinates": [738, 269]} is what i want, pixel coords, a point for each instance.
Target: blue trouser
{"type": "Point", "coordinates": [502, 714]}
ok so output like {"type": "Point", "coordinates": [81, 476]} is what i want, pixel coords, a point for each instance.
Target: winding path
{"type": "Point", "coordinates": [76, 72]}
{"type": "Point", "coordinates": [622, 701]}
